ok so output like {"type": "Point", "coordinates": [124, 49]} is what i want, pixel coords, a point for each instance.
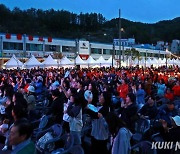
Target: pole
{"type": "Point", "coordinates": [43, 48]}
{"type": "Point", "coordinates": [1, 48]}
{"type": "Point", "coordinates": [76, 51]}
{"type": "Point", "coordinates": [145, 58]}
{"type": "Point", "coordinates": [24, 46]}
{"type": "Point", "coordinates": [119, 37]}
{"type": "Point", "coordinates": [113, 51]}
{"type": "Point", "coordinates": [166, 57]}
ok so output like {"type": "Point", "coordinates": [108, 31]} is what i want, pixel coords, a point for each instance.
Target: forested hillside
{"type": "Point", "coordinates": [91, 26]}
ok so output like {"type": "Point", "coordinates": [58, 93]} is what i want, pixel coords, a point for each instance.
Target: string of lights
{"type": "Point", "coordinates": [173, 54]}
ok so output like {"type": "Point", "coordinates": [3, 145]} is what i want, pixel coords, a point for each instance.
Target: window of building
{"type": "Point", "coordinates": [68, 49]}
{"type": "Point", "coordinates": [52, 48]}
{"type": "Point", "coordinates": [95, 51]}
{"type": "Point", "coordinates": [34, 47]}
{"type": "Point", "coordinates": [107, 51]}
{"type": "Point", "coordinates": [12, 46]}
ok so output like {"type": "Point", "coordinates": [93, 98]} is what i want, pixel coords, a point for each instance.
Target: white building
{"type": "Point", "coordinates": [23, 46]}
{"type": "Point", "coordinates": [175, 46]}
{"type": "Point", "coordinates": [125, 42]}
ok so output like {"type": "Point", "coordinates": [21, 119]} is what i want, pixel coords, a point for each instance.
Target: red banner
{"type": "Point", "coordinates": [8, 36]}
{"type": "Point", "coordinates": [30, 38]}
{"type": "Point", "coordinates": [49, 39]}
{"type": "Point", "coordinates": [19, 37]}
{"type": "Point", "coordinates": [84, 57]}
{"type": "Point", "coordinates": [40, 39]}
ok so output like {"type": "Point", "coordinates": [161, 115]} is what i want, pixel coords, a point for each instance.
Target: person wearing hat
{"type": "Point", "coordinates": [171, 133]}
{"type": "Point", "coordinates": [30, 98]}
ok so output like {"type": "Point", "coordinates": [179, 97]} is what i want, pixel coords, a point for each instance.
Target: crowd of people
{"type": "Point", "coordinates": [114, 99]}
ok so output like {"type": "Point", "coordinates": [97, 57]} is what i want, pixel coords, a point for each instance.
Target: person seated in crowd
{"type": "Point", "coordinates": [4, 126]}
{"type": "Point", "coordinates": [167, 111]}
{"type": "Point", "coordinates": [176, 90]}
{"type": "Point", "coordinates": [169, 95]}
{"type": "Point", "coordinates": [17, 114]}
{"type": "Point", "coordinates": [149, 110]}
{"type": "Point", "coordinates": [171, 133]}
{"type": "Point", "coordinates": [121, 135]}
{"type": "Point", "coordinates": [129, 112]}
{"type": "Point", "coordinates": [19, 138]}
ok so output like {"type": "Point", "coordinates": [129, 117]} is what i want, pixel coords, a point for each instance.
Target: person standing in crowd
{"type": "Point", "coordinates": [122, 89]}
{"type": "Point", "coordinates": [140, 95]}
{"type": "Point", "coordinates": [56, 108]}
{"type": "Point", "coordinates": [161, 88]}
{"type": "Point", "coordinates": [30, 98]}
{"type": "Point", "coordinates": [39, 87]}
{"type": "Point", "coordinates": [99, 138]}
{"type": "Point", "coordinates": [121, 135]}
{"type": "Point", "coordinates": [148, 85]}
{"type": "Point", "coordinates": [19, 138]}
{"type": "Point", "coordinates": [94, 91]}
{"type": "Point", "coordinates": [74, 111]}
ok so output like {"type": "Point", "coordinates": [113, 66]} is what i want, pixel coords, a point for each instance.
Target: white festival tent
{"type": "Point", "coordinates": [13, 62]}
{"type": "Point", "coordinates": [101, 61]}
{"type": "Point", "coordinates": [65, 61]}
{"type": "Point", "coordinates": [49, 62]}
{"type": "Point", "coordinates": [109, 62]}
{"type": "Point", "coordinates": [155, 62]}
{"type": "Point", "coordinates": [170, 61]}
{"type": "Point", "coordinates": [177, 62]}
{"type": "Point", "coordinates": [149, 62]}
{"type": "Point", "coordinates": [142, 62]}
{"type": "Point", "coordinates": [91, 61]}
{"type": "Point", "coordinates": [79, 61]}
{"type": "Point", "coordinates": [135, 62]}
{"type": "Point", "coordinates": [32, 62]}
{"type": "Point", "coordinates": [162, 62]}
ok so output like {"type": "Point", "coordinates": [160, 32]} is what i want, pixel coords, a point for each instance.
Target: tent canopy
{"type": "Point", "coordinates": [91, 61]}
{"type": "Point", "coordinates": [109, 61]}
{"type": "Point", "coordinates": [101, 60]}
{"type": "Point", "coordinates": [32, 62]}
{"type": "Point", "coordinates": [66, 61]}
{"type": "Point", "coordinates": [79, 61]}
{"type": "Point", "coordinates": [49, 61]}
{"type": "Point", "coordinates": [13, 62]}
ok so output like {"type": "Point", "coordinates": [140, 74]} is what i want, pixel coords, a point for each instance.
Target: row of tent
{"type": "Point", "coordinates": [13, 62]}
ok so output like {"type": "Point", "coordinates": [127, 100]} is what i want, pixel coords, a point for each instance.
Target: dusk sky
{"type": "Point", "coordinates": [147, 11]}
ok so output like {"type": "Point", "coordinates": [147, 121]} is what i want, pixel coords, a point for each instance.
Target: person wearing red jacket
{"type": "Point", "coordinates": [169, 95]}
{"type": "Point", "coordinates": [122, 90]}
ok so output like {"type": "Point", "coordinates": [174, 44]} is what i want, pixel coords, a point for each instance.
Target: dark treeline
{"type": "Point", "coordinates": [91, 26]}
